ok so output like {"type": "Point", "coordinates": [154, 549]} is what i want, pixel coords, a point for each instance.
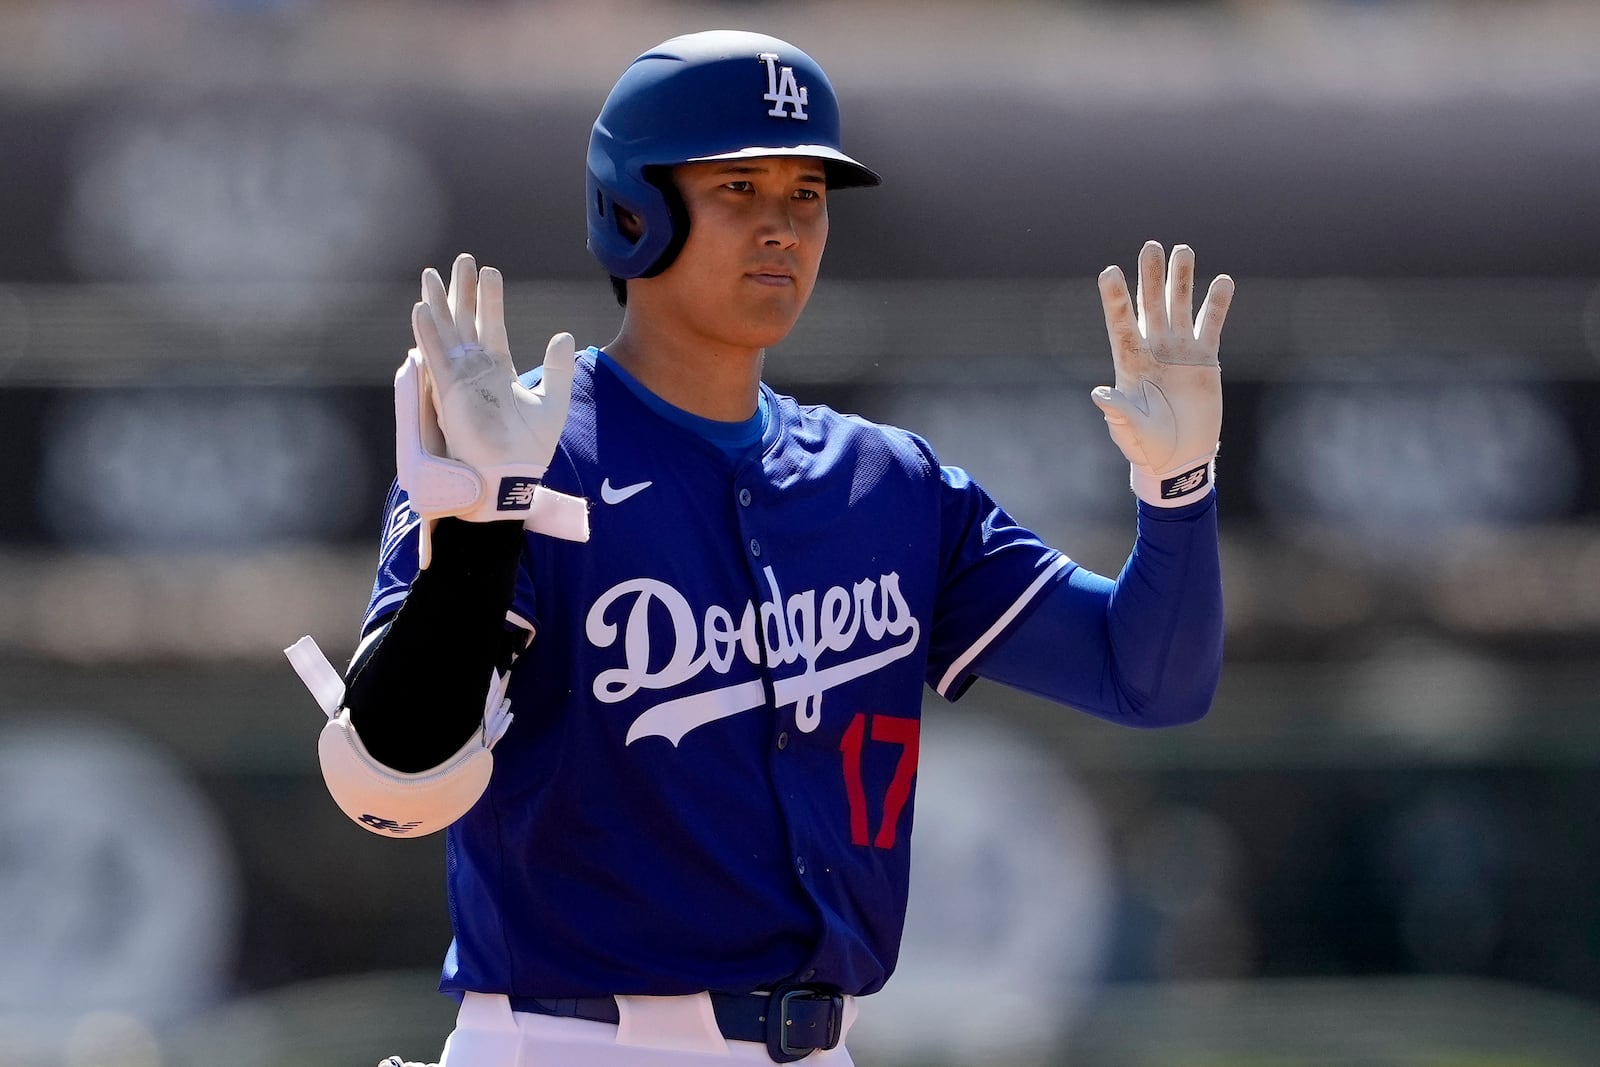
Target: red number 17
{"type": "Point", "coordinates": [896, 731]}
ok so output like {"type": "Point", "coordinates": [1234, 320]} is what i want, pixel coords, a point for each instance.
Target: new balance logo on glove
{"type": "Point", "coordinates": [516, 493]}
{"type": "Point", "coordinates": [1185, 483]}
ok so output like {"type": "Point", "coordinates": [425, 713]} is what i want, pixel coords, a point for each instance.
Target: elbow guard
{"type": "Point", "coordinates": [388, 802]}
{"type": "Point", "coordinates": [393, 803]}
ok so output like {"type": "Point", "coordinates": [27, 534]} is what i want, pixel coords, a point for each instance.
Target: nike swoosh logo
{"type": "Point", "coordinates": [617, 496]}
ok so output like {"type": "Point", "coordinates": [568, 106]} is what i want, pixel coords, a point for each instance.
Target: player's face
{"type": "Point", "coordinates": [757, 228]}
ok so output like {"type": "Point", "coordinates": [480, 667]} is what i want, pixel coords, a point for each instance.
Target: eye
{"type": "Point", "coordinates": [808, 194]}
{"type": "Point", "coordinates": [739, 186]}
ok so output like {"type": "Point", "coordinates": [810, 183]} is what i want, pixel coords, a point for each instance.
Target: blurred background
{"type": "Point", "coordinates": [1380, 848]}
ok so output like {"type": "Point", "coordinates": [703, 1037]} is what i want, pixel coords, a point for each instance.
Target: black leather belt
{"type": "Point", "coordinates": [792, 1021]}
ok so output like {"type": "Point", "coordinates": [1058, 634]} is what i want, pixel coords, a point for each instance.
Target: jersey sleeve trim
{"type": "Point", "coordinates": [958, 669]}
{"type": "Point", "coordinates": [382, 607]}
{"type": "Point", "coordinates": [399, 523]}
{"type": "Point", "coordinates": [366, 643]}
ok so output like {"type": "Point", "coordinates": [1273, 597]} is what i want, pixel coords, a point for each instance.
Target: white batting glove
{"type": "Point", "coordinates": [1165, 411]}
{"type": "Point", "coordinates": [471, 440]}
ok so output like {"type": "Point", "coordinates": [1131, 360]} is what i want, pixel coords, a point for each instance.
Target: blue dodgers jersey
{"type": "Point", "coordinates": [709, 780]}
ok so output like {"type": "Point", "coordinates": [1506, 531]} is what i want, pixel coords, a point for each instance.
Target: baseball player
{"type": "Point", "coordinates": [648, 639]}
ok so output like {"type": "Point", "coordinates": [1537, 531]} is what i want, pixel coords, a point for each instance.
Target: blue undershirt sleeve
{"type": "Point", "coordinates": [1143, 650]}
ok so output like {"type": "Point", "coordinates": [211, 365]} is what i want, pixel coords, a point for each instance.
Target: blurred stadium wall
{"type": "Point", "coordinates": [1379, 848]}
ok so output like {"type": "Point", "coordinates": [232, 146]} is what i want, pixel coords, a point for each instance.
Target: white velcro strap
{"type": "Point", "coordinates": [1184, 485]}
{"type": "Point", "coordinates": [439, 486]}
{"type": "Point", "coordinates": [512, 489]}
{"type": "Point", "coordinates": [395, 804]}
{"type": "Point", "coordinates": [558, 515]}
{"type": "Point", "coordinates": [311, 664]}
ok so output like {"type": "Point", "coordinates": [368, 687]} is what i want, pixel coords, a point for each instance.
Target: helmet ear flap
{"type": "Point", "coordinates": [677, 213]}
{"type": "Point", "coordinates": [637, 225]}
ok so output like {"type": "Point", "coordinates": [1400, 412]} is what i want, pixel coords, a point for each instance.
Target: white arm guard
{"type": "Point", "coordinates": [389, 802]}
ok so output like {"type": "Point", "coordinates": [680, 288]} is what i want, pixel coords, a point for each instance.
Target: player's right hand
{"type": "Point", "coordinates": [471, 441]}
{"type": "Point", "coordinates": [1165, 411]}
{"type": "Point", "coordinates": [489, 419]}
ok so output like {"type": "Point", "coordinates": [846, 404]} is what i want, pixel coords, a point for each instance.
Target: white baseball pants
{"type": "Point", "coordinates": [652, 1032]}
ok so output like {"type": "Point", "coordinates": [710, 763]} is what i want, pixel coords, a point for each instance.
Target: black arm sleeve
{"type": "Point", "coordinates": [417, 692]}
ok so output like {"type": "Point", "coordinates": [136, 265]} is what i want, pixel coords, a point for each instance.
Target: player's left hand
{"type": "Point", "coordinates": [1165, 411]}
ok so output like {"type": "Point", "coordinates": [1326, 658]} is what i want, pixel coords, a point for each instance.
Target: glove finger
{"type": "Point", "coordinates": [430, 385]}
{"type": "Point", "coordinates": [1128, 351]}
{"type": "Point", "coordinates": [492, 312]}
{"type": "Point", "coordinates": [1180, 291]}
{"type": "Point", "coordinates": [425, 328]}
{"type": "Point", "coordinates": [1123, 421]}
{"type": "Point", "coordinates": [560, 358]}
{"type": "Point", "coordinates": [1117, 405]}
{"type": "Point", "coordinates": [438, 301]}
{"type": "Point", "coordinates": [1152, 289]}
{"type": "Point", "coordinates": [429, 389]}
{"type": "Point", "coordinates": [1215, 309]}
{"type": "Point", "coordinates": [463, 298]}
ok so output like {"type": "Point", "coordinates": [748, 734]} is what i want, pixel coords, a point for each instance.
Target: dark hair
{"type": "Point", "coordinates": [619, 289]}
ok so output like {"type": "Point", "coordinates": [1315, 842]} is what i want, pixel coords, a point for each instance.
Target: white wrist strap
{"type": "Point", "coordinates": [439, 487]}
{"type": "Point", "coordinates": [1184, 486]}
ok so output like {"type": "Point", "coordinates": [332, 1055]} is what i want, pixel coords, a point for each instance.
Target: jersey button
{"type": "Point", "coordinates": [783, 739]}
{"type": "Point", "coordinates": [800, 864]}
{"type": "Point", "coordinates": [744, 498]}
{"type": "Point", "coordinates": [755, 547]}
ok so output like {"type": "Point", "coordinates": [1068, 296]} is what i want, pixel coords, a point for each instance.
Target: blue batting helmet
{"type": "Point", "coordinates": [722, 94]}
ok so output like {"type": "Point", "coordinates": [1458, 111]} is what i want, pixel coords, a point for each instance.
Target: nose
{"type": "Point", "coordinates": [777, 225]}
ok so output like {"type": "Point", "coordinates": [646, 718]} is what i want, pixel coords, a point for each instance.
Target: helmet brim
{"type": "Point", "coordinates": [842, 171]}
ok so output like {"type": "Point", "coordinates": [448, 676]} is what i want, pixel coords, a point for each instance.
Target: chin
{"type": "Point", "coordinates": [760, 331]}
{"type": "Point", "coordinates": [751, 341]}
{"type": "Point", "coordinates": [768, 338]}
{"type": "Point", "coordinates": [775, 324]}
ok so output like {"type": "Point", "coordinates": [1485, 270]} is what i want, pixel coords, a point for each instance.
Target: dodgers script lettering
{"type": "Point", "coordinates": [779, 631]}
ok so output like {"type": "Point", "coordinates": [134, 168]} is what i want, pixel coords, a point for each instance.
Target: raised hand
{"type": "Point", "coordinates": [471, 440]}
{"type": "Point", "coordinates": [488, 418]}
{"type": "Point", "coordinates": [1165, 411]}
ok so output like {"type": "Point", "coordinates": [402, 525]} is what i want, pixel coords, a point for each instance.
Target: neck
{"type": "Point", "coordinates": [696, 374]}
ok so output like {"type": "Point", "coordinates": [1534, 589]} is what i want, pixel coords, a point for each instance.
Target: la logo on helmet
{"type": "Point", "coordinates": [782, 89]}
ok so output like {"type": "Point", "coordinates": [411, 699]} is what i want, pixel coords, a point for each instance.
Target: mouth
{"type": "Point", "coordinates": [774, 276]}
